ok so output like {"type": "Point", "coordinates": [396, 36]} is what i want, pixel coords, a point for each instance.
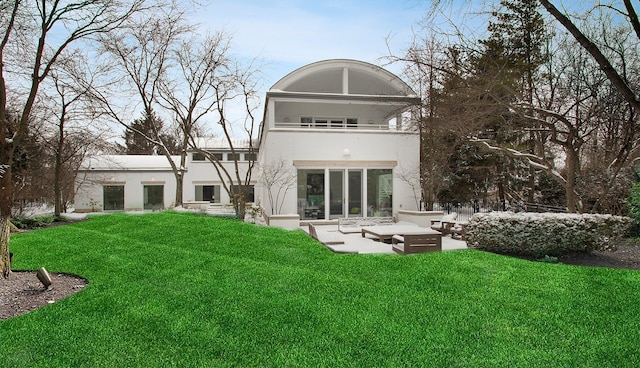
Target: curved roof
{"type": "Point", "coordinates": [343, 76]}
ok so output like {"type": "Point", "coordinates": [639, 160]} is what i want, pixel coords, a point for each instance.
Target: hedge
{"type": "Point", "coordinates": [540, 234]}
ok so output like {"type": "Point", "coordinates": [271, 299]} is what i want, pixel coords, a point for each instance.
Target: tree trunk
{"type": "Point", "coordinates": [240, 203]}
{"type": "Point", "coordinates": [5, 232]}
{"type": "Point", "coordinates": [57, 175]}
{"type": "Point", "coordinates": [179, 187]}
{"type": "Point", "coordinates": [532, 171]}
{"type": "Point", "coordinates": [572, 167]}
{"type": "Point", "coordinates": [6, 200]}
{"type": "Point", "coordinates": [180, 172]}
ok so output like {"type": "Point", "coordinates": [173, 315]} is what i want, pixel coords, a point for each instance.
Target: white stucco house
{"type": "Point", "coordinates": [337, 139]}
{"type": "Point", "coordinates": [344, 129]}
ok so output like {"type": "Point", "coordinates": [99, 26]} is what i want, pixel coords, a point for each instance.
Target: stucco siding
{"type": "Point", "coordinates": [90, 189]}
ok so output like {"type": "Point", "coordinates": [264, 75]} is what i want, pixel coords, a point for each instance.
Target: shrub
{"type": "Point", "coordinates": [35, 222]}
{"type": "Point", "coordinates": [544, 234]}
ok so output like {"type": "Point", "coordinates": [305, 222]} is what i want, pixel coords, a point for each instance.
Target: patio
{"type": "Point", "coordinates": [355, 243]}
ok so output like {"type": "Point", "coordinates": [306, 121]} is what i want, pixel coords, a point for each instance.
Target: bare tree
{"type": "Point", "coordinates": [72, 22]}
{"type": "Point", "coordinates": [68, 112]}
{"type": "Point", "coordinates": [570, 111]}
{"type": "Point", "coordinates": [616, 62]}
{"type": "Point", "coordinates": [278, 177]}
{"type": "Point", "coordinates": [615, 76]}
{"type": "Point", "coordinates": [236, 85]}
{"type": "Point", "coordinates": [188, 90]}
{"type": "Point", "coordinates": [141, 50]}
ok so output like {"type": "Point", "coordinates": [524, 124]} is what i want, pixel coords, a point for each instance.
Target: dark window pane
{"type": "Point", "coordinates": [153, 197]}
{"type": "Point", "coordinates": [113, 197]}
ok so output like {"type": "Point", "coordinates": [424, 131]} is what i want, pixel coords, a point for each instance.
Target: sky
{"type": "Point", "coordinates": [287, 34]}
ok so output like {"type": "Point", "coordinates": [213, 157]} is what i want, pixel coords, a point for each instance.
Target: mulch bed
{"type": "Point", "coordinates": [23, 292]}
{"type": "Point", "coordinates": [627, 255]}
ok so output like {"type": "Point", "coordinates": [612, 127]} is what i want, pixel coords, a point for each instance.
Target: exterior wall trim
{"type": "Point", "coordinates": [344, 163]}
{"type": "Point", "coordinates": [342, 98]}
{"type": "Point", "coordinates": [206, 182]}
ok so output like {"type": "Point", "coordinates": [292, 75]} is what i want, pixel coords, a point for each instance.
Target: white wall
{"type": "Point", "coordinates": [89, 192]}
{"type": "Point", "coordinates": [345, 149]}
{"type": "Point", "coordinates": [325, 145]}
{"type": "Point", "coordinates": [204, 173]}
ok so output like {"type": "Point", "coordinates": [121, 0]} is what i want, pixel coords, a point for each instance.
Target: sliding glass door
{"type": "Point", "coordinates": [335, 193]}
{"type": "Point", "coordinates": [355, 193]}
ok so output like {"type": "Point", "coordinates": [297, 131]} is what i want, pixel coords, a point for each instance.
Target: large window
{"type": "Point", "coordinates": [355, 193]}
{"type": "Point", "coordinates": [113, 197]}
{"type": "Point", "coordinates": [336, 194]}
{"type": "Point", "coordinates": [209, 193]}
{"type": "Point", "coordinates": [346, 193]}
{"type": "Point", "coordinates": [379, 192]}
{"type": "Point", "coordinates": [311, 193]}
{"type": "Point", "coordinates": [153, 197]}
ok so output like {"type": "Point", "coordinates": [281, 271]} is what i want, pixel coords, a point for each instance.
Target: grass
{"type": "Point", "coordinates": [170, 289]}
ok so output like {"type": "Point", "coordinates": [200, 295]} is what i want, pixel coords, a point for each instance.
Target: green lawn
{"type": "Point", "coordinates": [174, 289]}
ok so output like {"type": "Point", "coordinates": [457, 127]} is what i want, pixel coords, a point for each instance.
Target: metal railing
{"type": "Point", "coordinates": [383, 127]}
{"type": "Point", "coordinates": [465, 211]}
{"type": "Point", "coordinates": [537, 207]}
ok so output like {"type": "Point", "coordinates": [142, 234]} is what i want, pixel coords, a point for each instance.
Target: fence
{"type": "Point", "coordinates": [536, 207]}
{"type": "Point", "coordinates": [465, 211]}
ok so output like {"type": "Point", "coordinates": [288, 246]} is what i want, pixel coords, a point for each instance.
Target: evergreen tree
{"type": "Point", "coordinates": [502, 76]}
{"type": "Point", "coordinates": [143, 136]}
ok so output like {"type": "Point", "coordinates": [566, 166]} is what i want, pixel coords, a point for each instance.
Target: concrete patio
{"type": "Point", "coordinates": [355, 243]}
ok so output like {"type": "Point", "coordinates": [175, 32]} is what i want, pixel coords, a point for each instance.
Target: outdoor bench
{"type": "Point", "coordinates": [416, 243]}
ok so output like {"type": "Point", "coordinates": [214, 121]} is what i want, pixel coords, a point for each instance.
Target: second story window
{"type": "Point", "coordinates": [320, 123]}
{"type": "Point", "coordinates": [335, 123]}
{"type": "Point", "coordinates": [250, 157]}
{"type": "Point", "coordinates": [233, 157]}
{"type": "Point", "coordinates": [197, 156]}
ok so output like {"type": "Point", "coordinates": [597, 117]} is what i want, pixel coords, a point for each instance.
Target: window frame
{"type": "Point", "coordinates": [328, 122]}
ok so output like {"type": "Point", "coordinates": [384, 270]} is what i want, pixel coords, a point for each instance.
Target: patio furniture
{"type": "Point", "coordinates": [325, 237]}
{"type": "Point", "coordinates": [445, 223]}
{"type": "Point", "coordinates": [384, 233]}
{"type": "Point", "coordinates": [420, 218]}
{"type": "Point", "coordinates": [416, 243]}
{"type": "Point", "coordinates": [457, 230]}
